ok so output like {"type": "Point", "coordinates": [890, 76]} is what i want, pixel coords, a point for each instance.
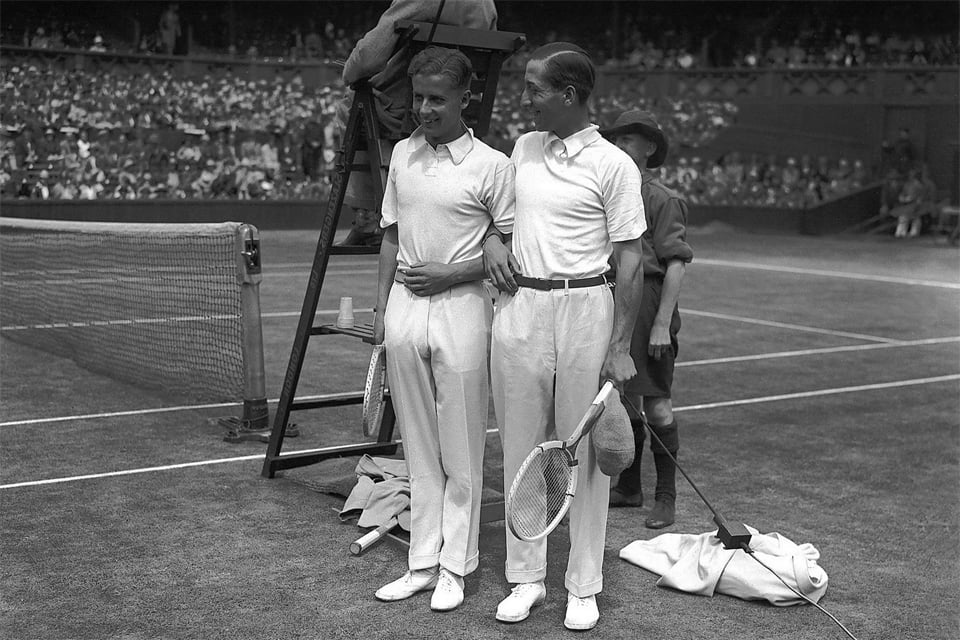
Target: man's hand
{"type": "Point", "coordinates": [429, 278]}
{"type": "Point", "coordinates": [618, 366]}
{"type": "Point", "coordinates": [500, 265]}
{"type": "Point", "coordinates": [659, 342]}
{"type": "Point", "coordinates": [378, 327]}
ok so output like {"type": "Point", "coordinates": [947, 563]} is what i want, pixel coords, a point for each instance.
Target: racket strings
{"type": "Point", "coordinates": [541, 489]}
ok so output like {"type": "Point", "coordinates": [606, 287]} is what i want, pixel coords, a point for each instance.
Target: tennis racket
{"type": "Point", "coordinates": [362, 544]}
{"type": "Point", "coordinates": [373, 392]}
{"type": "Point", "coordinates": [543, 488]}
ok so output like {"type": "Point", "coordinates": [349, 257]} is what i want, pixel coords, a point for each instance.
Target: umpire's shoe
{"type": "Point", "coordinates": [582, 613]}
{"type": "Point", "coordinates": [523, 597]}
{"type": "Point", "coordinates": [411, 583]}
{"type": "Point", "coordinates": [448, 595]}
{"type": "Point", "coordinates": [623, 498]}
{"type": "Point", "coordinates": [662, 514]}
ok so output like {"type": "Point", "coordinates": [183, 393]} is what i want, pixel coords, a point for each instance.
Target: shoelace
{"type": "Point", "coordinates": [520, 589]}
{"type": "Point", "coordinates": [446, 582]}
{"type": "Point", "coordinates": [579, 602]}
{"type": "Point", "coordinates": [410, 577]}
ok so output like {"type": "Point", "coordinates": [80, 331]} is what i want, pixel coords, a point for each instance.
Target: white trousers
{"type": "Point", "coordinates": [547, 351]}
{"type": "Point", "coordinates": [437, 366]}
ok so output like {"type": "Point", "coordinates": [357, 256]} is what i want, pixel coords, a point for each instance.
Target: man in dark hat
{"type": "Point", "coordinates": [654, 346]}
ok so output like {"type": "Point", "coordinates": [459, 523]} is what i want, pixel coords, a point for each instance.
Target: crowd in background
{"type": "Point", "coordinates": [794, 183]}
{"type": "Point", "coordinates": [156, 135]}
{"type": "Point", "coordinates": [73, 135]}
{"type": "Point", "coordinates": [629, 35]}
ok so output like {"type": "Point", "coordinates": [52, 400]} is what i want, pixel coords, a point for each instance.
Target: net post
{"type": "Point", "coordinates": [254, 422]}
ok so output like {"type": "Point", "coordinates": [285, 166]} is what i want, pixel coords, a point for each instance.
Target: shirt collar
{"type": "Point", "coordinates": [458, 148]}
{"type": "Point", "coordinates": [573, 144]}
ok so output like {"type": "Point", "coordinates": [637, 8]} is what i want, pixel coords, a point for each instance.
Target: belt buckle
{"type": "Point", "coordinates": [566, 287]}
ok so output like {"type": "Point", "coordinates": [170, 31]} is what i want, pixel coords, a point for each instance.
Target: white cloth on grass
{"type": "Point", "coordinates": [381, 493]}
{"type": "Point", "coordinates": [700, 564]}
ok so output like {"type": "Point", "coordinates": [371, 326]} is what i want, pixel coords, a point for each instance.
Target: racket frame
{"type": "Point", "coordinates": [372, 412]}
{"type": "Point", "coordinates": [569, 492]}
{"type": "Point", "coordinates": [569, 446]}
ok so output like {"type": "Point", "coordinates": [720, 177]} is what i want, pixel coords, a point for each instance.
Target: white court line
{"type": "Point", "coordinates": [697, 407]}
{"type": "Point", "coordinates": [821, 351]}
{"type": "Point", "coordinates": [108, 323]}
{"type": "Point", "coordinates": [326, 312]}
{"type": "Point", "coordinates": [373, 260]}
{"type": "Point", "coordinates": [727, 360]}
{"type": "Point", "coordinates": [827, 273]}
{"type": "Point", "coordinates": [795, 327]}
{"type": "Point", "coordinates": [329, 272]}
{"type": "Point", "coordinates": [143, 412]}
{"type": "Point", "coordinates": [820, 392]}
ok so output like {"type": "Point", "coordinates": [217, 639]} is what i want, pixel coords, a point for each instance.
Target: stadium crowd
{"type": "Point", "coordinates": [80, 136]}
{"type": "Point", "coordinates": [70, 135]}
{"type": "Point", "coordinates": [156, 135]}
{"type": "Point", "coordinates": [784, 35]}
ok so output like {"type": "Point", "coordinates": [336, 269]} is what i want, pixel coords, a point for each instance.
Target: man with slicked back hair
{"type": "Point", "coordinates": [558, 330]}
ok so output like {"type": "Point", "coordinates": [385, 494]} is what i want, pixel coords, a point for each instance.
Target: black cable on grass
{"type": "Point", "coordinates": [744, 546]}
{"type": "Point", "coordinates": [749, 552]}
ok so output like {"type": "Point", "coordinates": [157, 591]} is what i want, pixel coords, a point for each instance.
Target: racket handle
{"type": "Point", "coordinates": [598, 405]}
{"type": "Point", "coordinates": [362, 544]}
{"type": "Point", "coordinates": [604, 393]}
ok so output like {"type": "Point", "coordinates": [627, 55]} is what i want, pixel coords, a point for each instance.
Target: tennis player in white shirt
{"type": "Point", "coordinates": [444, 190]}
{"type": "Point", "coordinates": [559, 330]}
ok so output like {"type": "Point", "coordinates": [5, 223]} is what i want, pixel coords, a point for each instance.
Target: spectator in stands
{"type": "Point", "coordinates": [25, 151]}
{"type": "Point", "coordinates": [796, 55]}
{"type": "Point", "coordinates": [47, 147]}
{"type": "Point", "coordinates": [910, 206]}
{"type": "Point", "coordinates": [903, 153]}
{"type": "Point", "coordinates": [40, 40]}
{"type": "Point", "coordinates": [40, 188]}
{"type": "Point", "coordinates": [790, 176]}
{"type": "Point", "coordinates": [169, 29]}
{"type": "Point", "coordinates": [858, 174]}
{"type": "Point", "coordinates": [98, 46]}
{"type": "Point", "coordinates": [311, 150]}
{"type": "Point", "coordinates": [269, 155]}
{"type": "Point", "coordinates": [312, 43]}
{"type": "Point", "coordinates": [776, 55]}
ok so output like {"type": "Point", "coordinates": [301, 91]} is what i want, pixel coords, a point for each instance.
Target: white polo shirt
{"type": "Point", "coordinates": [443, 199]}
{"type": "Point", "coordinates": [575, 197]}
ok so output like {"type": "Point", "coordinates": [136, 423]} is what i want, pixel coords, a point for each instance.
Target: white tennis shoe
{"type": "Point", "coordinates": [412, 582]}
{"type": "Point", "coordinates": [448, 594]}
{"type": "Point", "coordinates": [582, 613]}
{"type": "Point", "coordinates": [523, 597]}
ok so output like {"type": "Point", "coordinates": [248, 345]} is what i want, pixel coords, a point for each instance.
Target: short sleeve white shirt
{"type": "Point", "coordinates": [575, 197]}
{"type": "Point", "coordinates": [442, 199]}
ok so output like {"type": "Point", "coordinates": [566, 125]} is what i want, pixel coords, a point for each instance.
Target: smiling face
{"type": "Point", "coordinates": [439, 104]}
{"type": "Point", "coordinates": [544, 104]}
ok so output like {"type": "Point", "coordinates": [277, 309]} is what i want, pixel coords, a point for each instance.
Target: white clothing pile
{"type": "Point", "coordinates": [699, 564]}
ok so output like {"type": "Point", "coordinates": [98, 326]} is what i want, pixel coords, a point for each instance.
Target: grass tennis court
{"type": "Point", "coordinates": [817, 396]}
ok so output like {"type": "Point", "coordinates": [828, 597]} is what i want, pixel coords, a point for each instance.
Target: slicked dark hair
{"type": "Point", "coordinates": [567, 65]}
{"type": "Point", "coordinates": [441, 61]}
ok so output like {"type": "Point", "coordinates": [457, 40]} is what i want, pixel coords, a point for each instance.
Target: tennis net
{"type": "Point", "coordinates": [156, 305]}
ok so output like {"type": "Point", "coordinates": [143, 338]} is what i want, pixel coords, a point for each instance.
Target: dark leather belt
{"type": "Point", "coordinates": [544, 284]}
